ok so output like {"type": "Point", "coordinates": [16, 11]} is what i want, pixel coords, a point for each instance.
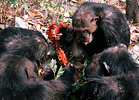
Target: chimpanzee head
{"type": "Point", "coordinates": [84, 22]}
{"type": "Point", "coordinates": [115, 60]}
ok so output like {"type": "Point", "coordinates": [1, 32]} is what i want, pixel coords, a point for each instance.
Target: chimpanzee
{"type": "Point", "coordinates": [24, 42]}
{"type": "Point", "coordinates": [119, 78]}
{"type": "Point", "coordinates": [116, 61]}
{"type": "Point", "coordinates": [18, 81]}
{"type": "Point", "coordinates": [99, 26]}
{"type": "Point", "coordinates": [15, 74]}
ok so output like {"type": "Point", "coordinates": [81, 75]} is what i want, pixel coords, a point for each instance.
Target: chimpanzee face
{"type": "Point", "coordinates": [85, 25]}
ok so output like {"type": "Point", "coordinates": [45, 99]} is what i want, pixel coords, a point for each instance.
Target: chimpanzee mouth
{"type": "Point", "coordinates": [89, 40]}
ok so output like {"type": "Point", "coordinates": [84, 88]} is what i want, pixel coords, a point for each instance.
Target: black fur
{"type": "Point", "coordinates": [117, 59]}
{"type": "Point", "coordinates": [100, 26]}
{"type": "Point", "coordinates": [18, 81]}
{"type": "Point", "coordinates": [67, 38]}
{"type": "Point", "coordinates": [24, 42]}
{"type": "Point", "coordinates": [119, 80]}
{"type": "Point", "coordinates": [70, 44]}
{"type": "Point", "coordinates": [93, 66]}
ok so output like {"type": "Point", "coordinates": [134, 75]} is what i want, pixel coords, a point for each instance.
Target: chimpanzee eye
{"type": "Point", "coordinates": [92, 19]}
{"type": "Point", "coordinates": [87, 31]}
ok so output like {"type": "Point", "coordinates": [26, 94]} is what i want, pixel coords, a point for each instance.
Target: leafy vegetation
{"type": "Point", "coordinates": [79, 83]}
{"type": "Point", "coordinates": [54, 68]}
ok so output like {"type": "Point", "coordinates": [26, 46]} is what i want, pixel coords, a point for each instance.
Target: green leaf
{"type": "Point", "coordinates": [86, 62]}
{"type": "Point", "coordinates": [58, 6]}
{"type": "Point", "coordinates": [60, 17]}
{"type": "Point", "coordinates": [46, 6]}
{"type": "Point", "coordinates": [12, 1]}
{"type": "Point", "coordinates": [69, 13]}
{"type": "Point", "coordinates": [76, 86]}
{"type": "Point", "coordinates": [8, 4]}
{"type": "Point", "coordinates": [53, 66]}
{"type": "Point", "coordinates": [51, 5]}
{"type": "Point", "coordinates": [49, 11]}
{"type": "Point", "coordinates": [57, 14]}
{"type": "Point", "coordinates": [60, 72]}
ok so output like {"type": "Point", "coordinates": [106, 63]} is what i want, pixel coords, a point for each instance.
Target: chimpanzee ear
{"type": "Point", "coordinates": [94, 20]}
{"type": "Point", "coordinates": [106, 67]}
{"type": "Point", "coordinates": [27, 73]}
